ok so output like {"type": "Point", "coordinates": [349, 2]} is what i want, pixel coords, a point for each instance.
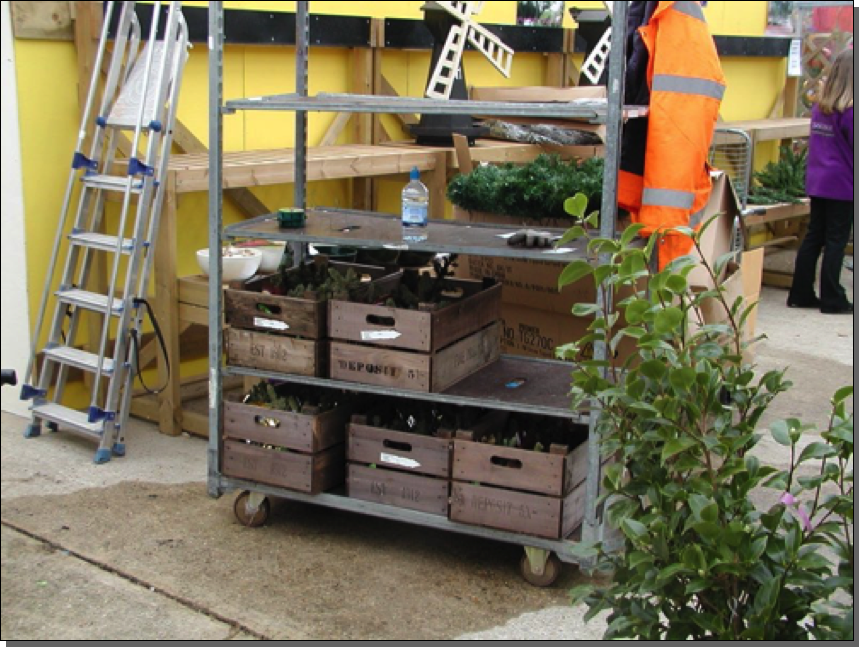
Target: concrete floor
{"type": "Point", "coordinates": [136, 550]}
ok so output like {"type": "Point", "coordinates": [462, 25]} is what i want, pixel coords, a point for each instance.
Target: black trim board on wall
{"type": "Point", "coordinates": [244, 27]}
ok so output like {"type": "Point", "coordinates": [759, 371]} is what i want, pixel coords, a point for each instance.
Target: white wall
{"type": "Point", "coordinates": [15, 328]}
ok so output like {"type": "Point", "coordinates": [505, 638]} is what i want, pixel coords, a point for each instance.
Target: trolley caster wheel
{"type": "Point", "coordinates": [249, 515]}
{"type": "Point", "coordinates": [550, 573]}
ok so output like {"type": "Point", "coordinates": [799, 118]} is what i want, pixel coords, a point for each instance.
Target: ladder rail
{"type": "Point", "coordinates": [43, 303]}
{"type": "Point", "coordinates": [180, 58]}
{"type": "Point", "coordinates": [126, 202]}
{"type": "Point", "coordinates": [86, 209]}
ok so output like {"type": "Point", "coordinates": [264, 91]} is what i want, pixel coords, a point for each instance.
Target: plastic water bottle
{"type": "Point", "coordinates": [415, 212]}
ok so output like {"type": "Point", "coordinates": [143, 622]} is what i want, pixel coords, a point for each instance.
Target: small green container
{"type": "Point", "coordinates": [290, 218]}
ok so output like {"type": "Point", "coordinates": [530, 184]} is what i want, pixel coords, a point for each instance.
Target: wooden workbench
{"type": "Point", "coordinates": [768, 130]}
{"type": "Point", "coordinates": [189, 173]}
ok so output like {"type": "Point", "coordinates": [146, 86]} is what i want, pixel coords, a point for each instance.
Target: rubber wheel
{"type": "Point", "coordinates": [550, 572]}
{"type": "Point", "coordinates": [254, 520]}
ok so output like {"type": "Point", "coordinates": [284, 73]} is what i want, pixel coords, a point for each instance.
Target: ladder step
{"type": "Point", "coordinates": [116, 183]}
{"type": "Point", "coordinates": [80, 359]}
{"type": "Point", "coordinates": [101, 242]}
{"type": "Point", "coordinates": [77, 420]}
{"type": "Point", "coordinates": [89, 301]}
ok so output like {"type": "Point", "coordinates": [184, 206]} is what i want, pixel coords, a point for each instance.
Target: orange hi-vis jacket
{"type": "Point", "coordinates": [686, 86]}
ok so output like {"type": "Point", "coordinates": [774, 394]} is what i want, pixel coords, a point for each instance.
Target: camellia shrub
{"type": "Point", "coordinates": [700, 560]}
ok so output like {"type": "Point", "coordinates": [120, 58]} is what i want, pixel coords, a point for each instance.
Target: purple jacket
{"type": "Point", "coordinates": [830, 155]}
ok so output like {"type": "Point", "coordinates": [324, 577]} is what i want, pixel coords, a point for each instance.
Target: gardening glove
{"type": "Point", "coordinates": [530, 238]}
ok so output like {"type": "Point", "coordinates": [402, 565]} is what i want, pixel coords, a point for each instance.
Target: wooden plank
{"type": "Point", "coordinates": [194, 290]}
{"type": "Point", "coordinates": [573, 510]}
{"type": "Point", "coordinates": [335, 129]}
{"type": "Point", "coordinates": [767, 214]}
{"type": "Point", "coordinates": [298, 431]}
{"type": "Point", "coordinates": [398, 450]}
{"type": "Point", "coordinates": [43, 20]}
{"type": "Point", "coordinates": [465, 357]}
{"type": "Point", "coordinates": [529, 514]}
{"type": "Point", "coordinates": [193, 315]}
{"type": "Point", "coordinates": [166, 310]}
{"type": "Point", "coordinates": [777, 279]}
{"type": "Point", "coordinates": [196, 424]}
{"type": "Point", "coordinates": [763, 130]}
{"type": "Point", "coordinates": [463, 154]}
{"type": "Point", "coordinates": [243, 199]}
{"type": "Point", "coordinates": [363, 61]}
{"type": "Point", "coordinates": [327, 163]}
{"type": "Point", "coordinates": [777, 242]}
{"type": "Point", "coordinates": [275, 353]}
{"type": "Point", "coordinates": [387, 90]}
{"type": "Point", "coordinates": [399, 489]}
{"type": "Point", "coordinates": [555, 69]}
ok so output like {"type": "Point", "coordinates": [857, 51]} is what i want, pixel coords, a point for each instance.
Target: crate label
{"type": "Point", "coordinates": [374, 369]}
{"type": "Point", "coordinates": [379, 335]}
{"type": "Point", "coordinates": [270, 324]}
{"type": "Point", "coordinates": [391, 459]}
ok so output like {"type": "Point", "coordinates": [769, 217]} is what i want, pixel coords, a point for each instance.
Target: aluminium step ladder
{"type": "Point", "coordinates": [138, 101]}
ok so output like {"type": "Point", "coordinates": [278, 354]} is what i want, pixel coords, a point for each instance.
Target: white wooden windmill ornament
{"type": "Point", "coordinates": [447, 68]}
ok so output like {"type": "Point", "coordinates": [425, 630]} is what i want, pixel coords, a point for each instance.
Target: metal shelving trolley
{"type": "Point", "coordinates": [542, 386]}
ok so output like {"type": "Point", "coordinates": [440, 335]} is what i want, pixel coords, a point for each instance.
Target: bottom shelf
{"type": "Point", "coordinates": [220, 485]}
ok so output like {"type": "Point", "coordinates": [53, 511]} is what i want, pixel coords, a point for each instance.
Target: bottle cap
{"type": "Point", "coordinates": [415, 174]}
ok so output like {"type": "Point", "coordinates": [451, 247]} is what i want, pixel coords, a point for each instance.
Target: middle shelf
{"type": "Point", "coordinates": [374, 230]}
{"type": "Point", "coordinates": [517, 384]}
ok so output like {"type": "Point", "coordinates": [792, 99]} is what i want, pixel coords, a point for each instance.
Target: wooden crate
{"type": "Point", "coordinates": [518, 490]}
{"type": "Point", "coordinates": [308, 473]}
{"type": "Point", "coordinates": [398, 450]}
{"type": "Point", "coordinates": [399, 489]}
{"type": "Point", "coordinates": [297, 431]}
{"type": "Point", "coordinates": [248, 308]}
{"type": "Point", "coordinates": [268, 352]}
{"type": "Point", "coordinates": [424, 331]}
{"type": "Point", "coordinates": [554, 474]}
{"type": "Point", "coordinates": [522, 512]}
{"type": "Point", "coordinates": [426, 372]}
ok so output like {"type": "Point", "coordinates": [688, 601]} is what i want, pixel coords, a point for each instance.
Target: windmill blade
{"type": "Point", "coordinates": [499, 54]}
{"type": "Point", "coordinates": [595, 65]}
{"type": "Point", "coordinates": [462, 10]}
{"type": "Point", "coordinates": [444, 75]}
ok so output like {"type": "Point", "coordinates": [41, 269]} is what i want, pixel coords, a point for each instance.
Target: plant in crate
{"type": "Point", "coordinates": [700, 560]}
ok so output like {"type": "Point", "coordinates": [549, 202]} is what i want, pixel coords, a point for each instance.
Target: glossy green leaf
{"type": "Point", "coordinates": [676, 446]}
{"type": "Point", "coordinates": [575, 271]}
{"type": "Point", "coordinates": [668, 320]}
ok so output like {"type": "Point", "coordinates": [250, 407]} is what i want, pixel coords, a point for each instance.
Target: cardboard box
{"type": "Point", "coordinates": [537, 333]}
{"type": "Point", "coordinates": [744, 280]}
{"type": "Point", "coordinates": [718, 239]}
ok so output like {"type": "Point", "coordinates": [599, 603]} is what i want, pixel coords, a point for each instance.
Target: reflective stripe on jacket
{"type": "Point", "coordinates": [686, 87]}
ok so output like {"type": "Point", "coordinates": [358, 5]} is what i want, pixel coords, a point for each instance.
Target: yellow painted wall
{"type": "Point", "coordinates": [47, 85]}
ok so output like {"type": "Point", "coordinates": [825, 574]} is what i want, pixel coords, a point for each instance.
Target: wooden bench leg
{"type": "Point", "coordinates": [167, 311]}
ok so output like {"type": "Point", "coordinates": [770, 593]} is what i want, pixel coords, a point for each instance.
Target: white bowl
{"type": "Point", "coordinates": [238, 264]}
{"type": "Point", "coordinates": [271, 257]}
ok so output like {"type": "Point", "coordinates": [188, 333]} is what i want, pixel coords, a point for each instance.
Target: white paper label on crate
{"type": "Point", "coordinates": [390, 459]}
{"type": "Point", "coordinates": [213, 399]}
{"type": "Point", "coordinates": [270, 324]}
{"type": "Point", "coordinates": [380, 335]}
{"type": "Point", "coordinates": [794, 59]}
